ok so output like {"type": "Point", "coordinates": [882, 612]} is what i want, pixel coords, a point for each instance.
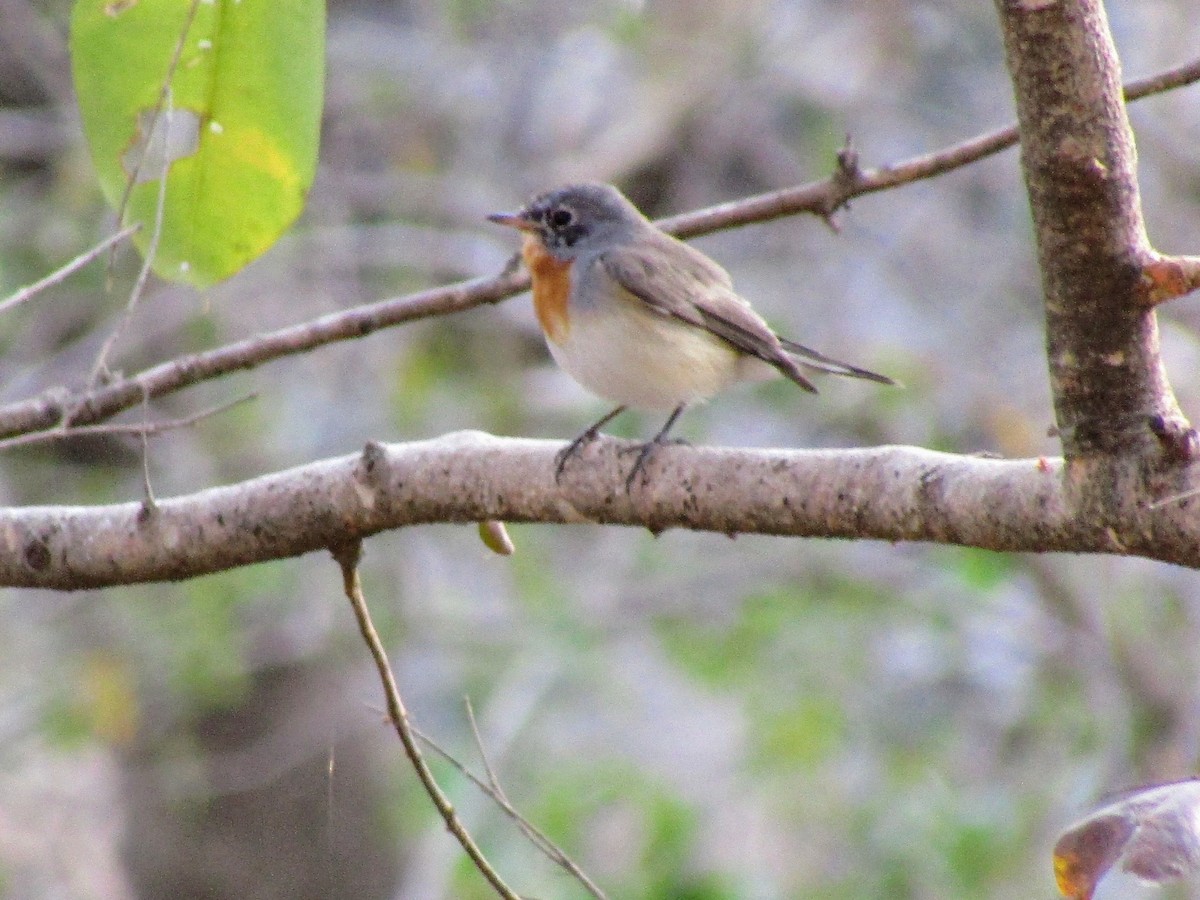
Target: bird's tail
{"type": "Point", "coordinates": [822, 363]}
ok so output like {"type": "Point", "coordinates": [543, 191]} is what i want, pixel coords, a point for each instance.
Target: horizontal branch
{"type": "Point", "coordinates": [886, 493]}
{"type": "Point", "coordinates": [829, 194]}
{"type": "Point", "coordinates": [59, 408]}
{"type": "Point", "coordinates": [821, 197]}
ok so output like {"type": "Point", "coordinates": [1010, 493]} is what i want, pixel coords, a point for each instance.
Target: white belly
{"type": "Point", "coordinates": [641, 359]}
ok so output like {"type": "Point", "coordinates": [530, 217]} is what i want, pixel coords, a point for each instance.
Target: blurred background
{"type": "Point", "coordinates": [689, 716]}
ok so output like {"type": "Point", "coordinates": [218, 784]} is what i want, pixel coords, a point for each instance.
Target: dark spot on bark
{"type": "Point", "coordinates": [1178, 439]}
{"type": "Point", "coordinates": [37, 555]}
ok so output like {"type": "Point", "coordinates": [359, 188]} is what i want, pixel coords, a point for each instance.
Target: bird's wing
{"type": "Point", "coordinates": [675, 280]}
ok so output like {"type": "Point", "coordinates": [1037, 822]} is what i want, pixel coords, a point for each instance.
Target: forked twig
{"type": "Point", "coordinates": [493, 790]}
{"type": "Point", "coordinates": [347, 556]}
{"type": "Point", "coordinates": [143, 429]}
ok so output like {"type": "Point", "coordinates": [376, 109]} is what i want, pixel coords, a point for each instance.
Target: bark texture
{"type": "Point", "coordinates": [886, 493]}
{"type": "Point", "coordinates": [1111, 393]}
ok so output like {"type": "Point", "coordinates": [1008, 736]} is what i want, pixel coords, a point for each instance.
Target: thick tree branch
{"type": "Point", "coordinates": [887, 493]}
{"type": "Point", "coordinates": [1111, 394]}
{"type": "Point", "coordinates": [821, 197]}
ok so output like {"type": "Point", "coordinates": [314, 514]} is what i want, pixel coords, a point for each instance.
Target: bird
{"type": "Point", "coordinates": [642, 319]}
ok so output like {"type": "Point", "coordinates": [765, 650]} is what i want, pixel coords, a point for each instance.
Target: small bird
{"type": "Point", "coordinates": [640, 318]}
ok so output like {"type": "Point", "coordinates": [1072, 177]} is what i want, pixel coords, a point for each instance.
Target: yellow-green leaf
{"type": "Point", "coordinates": [239, 132]}
{"type": "Point", "coordinates": [495, 537]}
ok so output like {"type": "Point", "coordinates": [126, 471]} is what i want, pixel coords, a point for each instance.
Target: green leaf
{"type": "Point", "coordinates": [238, 137]}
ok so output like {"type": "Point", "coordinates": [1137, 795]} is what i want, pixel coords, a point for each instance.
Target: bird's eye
{"type": "Point", "coordinates": [560, 218]}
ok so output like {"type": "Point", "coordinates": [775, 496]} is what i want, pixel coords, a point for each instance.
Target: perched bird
{"type": "Point", "coordinates": [641, 318]}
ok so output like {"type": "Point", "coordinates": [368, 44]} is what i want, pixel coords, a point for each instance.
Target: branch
{"type": "Point", "coordinates": [61, 274]}
{"type": "Point", "coordinates": [347, 556]}
{"type": "Point", "coordinates": [495, 793]}
{"type": "Point", "coordinates": [887, 493]}
{"type": "Point", "coordinates": [1167, 277]}
{"type": "Point", "coordinates": [82, 408]}
{"type": "Point", "coordinates": [100, 365]}
{"type": "Point", "coordinates": [136, 429]}
{"type": "Point", "coordinates": [826, 196]}
{"type": "Point", "coordinates": [1111, 394]}
{"type": "Point", "coordinates": [818, 197]}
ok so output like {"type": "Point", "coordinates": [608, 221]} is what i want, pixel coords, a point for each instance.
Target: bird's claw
{"type": "Point", "coordinates": [572, 449]}
{"type": "Point", "coordinates": [644, 452]}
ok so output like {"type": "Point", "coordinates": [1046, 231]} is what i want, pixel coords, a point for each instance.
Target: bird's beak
{"type": "Point", "coordinates": [513, 220]}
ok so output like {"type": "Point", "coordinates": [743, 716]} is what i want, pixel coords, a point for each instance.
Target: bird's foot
{"type": "Point", "coordinates": [572, 449]}
{"type": "Point", "coordinates": [644, 452]}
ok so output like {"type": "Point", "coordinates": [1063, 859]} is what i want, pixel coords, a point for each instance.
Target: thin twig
{"type": "Point", "coordinates": [1163, 81]}
{"type": "Point", "coordinates": [347, 557]}
{"type": "Point", "coordinates": [1173, 498]}
{"type": "Point", "coordinates": [487, 765]}
{"type": "Point", "coordinates": [824, 196]}
{"type": "Point", "coordinates": [148, 489]}
{"type": "Point", "coordinates": [160, 104]}
{"type": "Point", "coordinates": [535, 835]}
{"type": "Point", "coordinates": [95, 405]}
{"type": "Point", "coordinates": [63, 273]}
{"type": "Point", "coordinates": [145, 429]}
{"type": "Point", "coordinates": [100, 366]}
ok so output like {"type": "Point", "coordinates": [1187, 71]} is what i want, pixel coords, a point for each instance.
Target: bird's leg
{"type": "Point", "coordinates": [648, 448]}
{"type": "Point", "coordinates": [561, 457]}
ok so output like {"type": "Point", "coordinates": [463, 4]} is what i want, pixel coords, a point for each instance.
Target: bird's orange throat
{"type": "Point", "coordinates": [551, 288]}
